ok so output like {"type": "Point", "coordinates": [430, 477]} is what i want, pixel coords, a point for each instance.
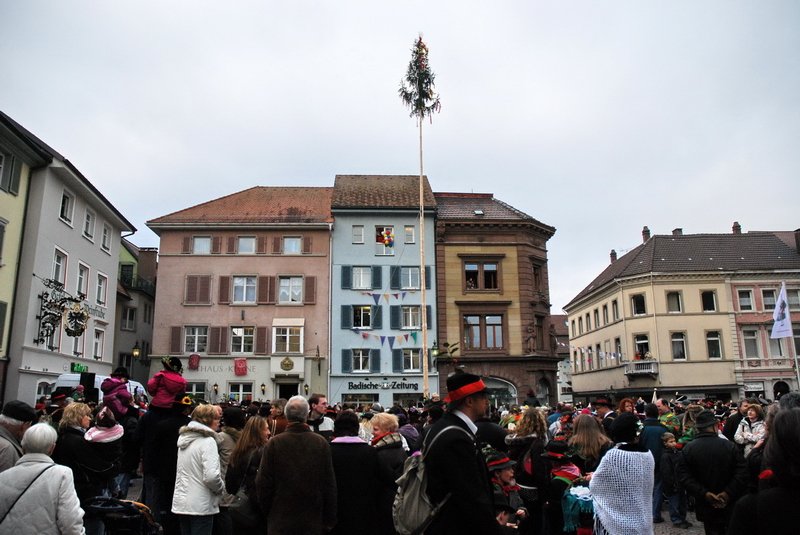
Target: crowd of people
{"type": "Point", "coordinates": [303, 466]}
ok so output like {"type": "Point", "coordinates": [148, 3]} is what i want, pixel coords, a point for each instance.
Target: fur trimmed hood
{"type": "Point", "coordinates": [194, 431]}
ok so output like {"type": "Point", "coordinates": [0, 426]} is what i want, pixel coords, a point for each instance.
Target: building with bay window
{"type": "Point", "coordinates": [376, 287]}
{"type": "Point", "coordinates": [242, 293]}
{"type": "Point", "coordinates": [688, 313]}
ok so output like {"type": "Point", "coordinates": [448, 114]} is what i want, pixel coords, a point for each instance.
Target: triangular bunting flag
{"type": "Point", "coordinates": [383, 339]}
{"type": "Point", "coordinates": [391, 342]}
{"type": "Point", "coordinates": [376, 298]}
{"type": "Point", "coordinates": [403, 295]}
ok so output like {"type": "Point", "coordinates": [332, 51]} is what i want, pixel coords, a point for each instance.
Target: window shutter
{"type": "Point", "coordinates": [306, 244]}
{"type": "Point", "coordinates": [263, 291]}
{"type": "Point", "coordinates": [347, 361]}
{"type": "Point", "coordinates": [261, 245]}
{"type": "Point", "coordinates": [3, 308]}
{"type": "Point", "coordinates": [204, 289]}
{"type": "Point", "coordinates": [375, 360]}
{"type": "Point", "coordinates": [276, 245]}
{"type": "Point", "coordinates": [191, 290]}
{"type": "Point", "coordinates": [347, 277]}
{"type": "Point", "coordinates": [175, 340]}
{"type": "Point", "coordinates": [224, 336]}
{"type": "Point", "coordinates": [347, 317]}
{"type": "Point", "coordinates": [397, 361]}
{"type": "Point", "coordinates": [2, 235]}
{"type": "Point", "coordinates": [224, 291]}
{"type": "Point", "coordinates": [213, 341]}
{"type": "Point", "coordinates": [5, 176]}
{"type": "Point", "coordinates": [394, 277]}
{"type": "Point", "coordinates": [428, 358]}
{"type": "Point", "coordinates": [428, 277]}
{"type": "Point", "coordinates": [16, 172]}
{"type": "Point", "coordinates": [377, 284]}
{"type": "Point", "coordinates": [394, 317]}
{"type": "Point", "coordinates": [262, 334]}
{"type": "Point", "coordinates": [428, 316]}
{"type": "Point", "coordinates": [310, 291]}
{"type": "Point", "coordinates": [377, 317]}
{"type": "Point", "coordinates": [231, 245]}
{"type": "Point", "coordinates": [216, 245]}
{"type": "Point", "coordinates": [186, 248]}
{"type": "Point", "coordinates": [271, 290]}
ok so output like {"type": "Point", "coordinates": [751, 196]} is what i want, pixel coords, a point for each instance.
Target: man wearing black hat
{"type": "Point", "coordinates": [714, 471]}
{"type": "Point", "coordinates": [455, 464]}
{"type": "Point", "coordinates": [16, 418]}
{"type": "Point", "coordinates": [605, 414]}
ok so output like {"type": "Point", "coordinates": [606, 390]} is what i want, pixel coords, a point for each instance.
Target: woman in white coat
{"type": "Point", "coordinates": [36, 495]}
{"type": "Point", "coordinates": [198, 480]}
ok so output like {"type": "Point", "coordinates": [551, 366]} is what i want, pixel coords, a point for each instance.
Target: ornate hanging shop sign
{"type": "Point", "coordinates": [56, 304]}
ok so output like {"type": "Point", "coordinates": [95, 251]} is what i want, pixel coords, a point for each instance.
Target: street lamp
{"type": "Point", "coordinates": [136, 351]}
{"type": "Point", "coordinates": [305, 388]}
{"type": "Point", "coordinates": [263, 389]}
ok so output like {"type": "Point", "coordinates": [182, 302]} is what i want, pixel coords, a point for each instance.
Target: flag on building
{"type": "Point", "coordinates": [782, 328]}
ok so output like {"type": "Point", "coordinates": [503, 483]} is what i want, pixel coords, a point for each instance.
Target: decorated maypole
{"type": "Point", "coordinates": [416, 92]}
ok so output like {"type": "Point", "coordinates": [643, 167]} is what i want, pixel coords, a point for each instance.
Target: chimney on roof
{"type": "Point", "coordinates": [613, 256]}
{"type": "Point", "coordinates": [677, 232]}
{"type": "Point", "coordinates": [737, 228]}
{"type": "Point", "coordinates": [645, 233]}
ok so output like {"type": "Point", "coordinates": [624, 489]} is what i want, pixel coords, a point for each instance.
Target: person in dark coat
{"type": "Point", "coordinates": [391, 457]}
{"type": "Point", "coordinates": [355, 464]}
{"type": "Point", "coordinates": [296, 486]}
{"type": "Point", "coordinates": [605, 414]}
{"type": "Point", "coordinates": [455, 464]}
{"type": "Point", "coordinates": [733, 421]}
{"type": "Point", "coordinates": [651, 438]}
{"type": "Point", "coordinates": [774, 509]}
{"type": "Point", "coordinates": [714, 472]}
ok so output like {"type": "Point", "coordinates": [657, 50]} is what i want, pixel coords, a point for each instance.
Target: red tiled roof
{"type": "Point", "coordinates": [380, 191]}
{"type": "Point", "coordinates": [685, 253]}
{"type": "Point", "coordinates": [260, 204]}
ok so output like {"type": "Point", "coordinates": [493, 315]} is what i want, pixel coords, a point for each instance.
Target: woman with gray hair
{"type": "Point", "coordinates": [37, 495]}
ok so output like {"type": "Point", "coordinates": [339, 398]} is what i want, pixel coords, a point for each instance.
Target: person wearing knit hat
{"type": "Point", "coordinates": [455, 465]}
{"type": "Point", "coordinates": [166, 384]}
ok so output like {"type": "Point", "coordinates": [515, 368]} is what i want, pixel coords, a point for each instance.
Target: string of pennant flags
{"type": "Point", "coordinates": [377, 296]}
{"type": "Point", "coordinates": [392, 340]}
{"type": "Point", "coordinates": [589, 352]}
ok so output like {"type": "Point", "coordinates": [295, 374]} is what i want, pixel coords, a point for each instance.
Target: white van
{"type": "Point", "coordinates": [72, 380]}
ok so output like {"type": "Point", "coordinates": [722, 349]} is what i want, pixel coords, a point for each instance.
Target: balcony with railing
{"type": "Point", "coordinates": [138, 284]}
{"type": "Point", "coordinates": [641, 368]}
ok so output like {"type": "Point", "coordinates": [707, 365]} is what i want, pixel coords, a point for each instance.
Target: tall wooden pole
{"type": "Point", "coordinates": [426, 391]}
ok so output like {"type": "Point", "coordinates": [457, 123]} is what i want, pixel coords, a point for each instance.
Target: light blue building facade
{"type": "Point", "coordinates": [376, 283]}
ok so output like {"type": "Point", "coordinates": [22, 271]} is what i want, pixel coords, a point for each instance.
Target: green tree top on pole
{"type": "Point", "coordinates": [416, 90]}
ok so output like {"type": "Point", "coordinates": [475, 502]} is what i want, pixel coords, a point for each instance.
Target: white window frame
{"type": "Point", "coordinates": [196, 388]}
{"type": "Point", "coordinates": [409, 234]}
{"type": "Point", "coordinates": [98, 341]}
{"type": "Point", "coordinates": [614, 310]}
{"type": "Point", "coordinates": [748, 294]}
{"type": "Point", "coordinates": [127, 322]}
{"type": "Point", "coordinates": [410, 278]}
{"type": "Point", "coordinates": [293, 286]}
{"type": "Point", "coordinates": [285, 334]}
{"type": "Point", "coordinates": [410, 317]}
{"type": "Point", "coordinates": [243, 340]}
{"type": "Point", "coordinates": [195, 338]}
{"type": "Point", "coordinates": [201, 244]}
{"type": "Point", "coordinates": [101, 289]}
{"type": "Point", "coordinates": [362, 317]}
{"type": "Point", "coordinates": [713, 298]}
{"type": "Point", "coordinates": [754, 338]}
{"type": "Point", "coordinates": [67, 214]}
{"type": "Point", "coordinates": [82, 284]}
{"type": "Point", "coordinates": [637, 342]}
{"type": "Point", "coordinates": [246, 285]}
{"type": "Point", "coordinates": [295, 248]}
{"type": "Point", "coordinates": [246, 245]}
{"type": "Point", "coordinates": [773, 298]}
{"type": "Point", "coordinates": [776, 349]}
{"type": "Point", "coordinates": [380, 248]}
{"type": "Point", "coordinates": [678, 338]}
{"type": "Point", "coordinates": [89, 225]}
{"type": "Point", "coordinates": [357, 234]}
{"type": "Point", "coordinates": [412, 361]}
{"type": "Point", "coordinates": [360, 363]}
{"type": "Point", "coordinates": [238, 391]}
{"type": "Point", "coordinates": [362, 278]}
{"type": "Point", "coordinates": [677, 295]}
{"type": "Point", "coordinates": [60, 267]}
{"type": "Point", "coordinates": [793, 297]}
{"type": "Point", "coordinates": [633, 305]}
{"type": "Point", "coordinates": [105, 242]}
{"type": "Point", "coordinates": [79, 345]}
{"type": "Point", "coordinates": [714, 336]}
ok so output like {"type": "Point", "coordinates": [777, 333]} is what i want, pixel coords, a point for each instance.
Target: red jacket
{"type": "Point", "coordinates": [164, 386]}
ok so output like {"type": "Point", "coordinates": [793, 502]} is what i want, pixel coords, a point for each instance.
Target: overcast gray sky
{"type": "Point", "coordinates": [594, 117]}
